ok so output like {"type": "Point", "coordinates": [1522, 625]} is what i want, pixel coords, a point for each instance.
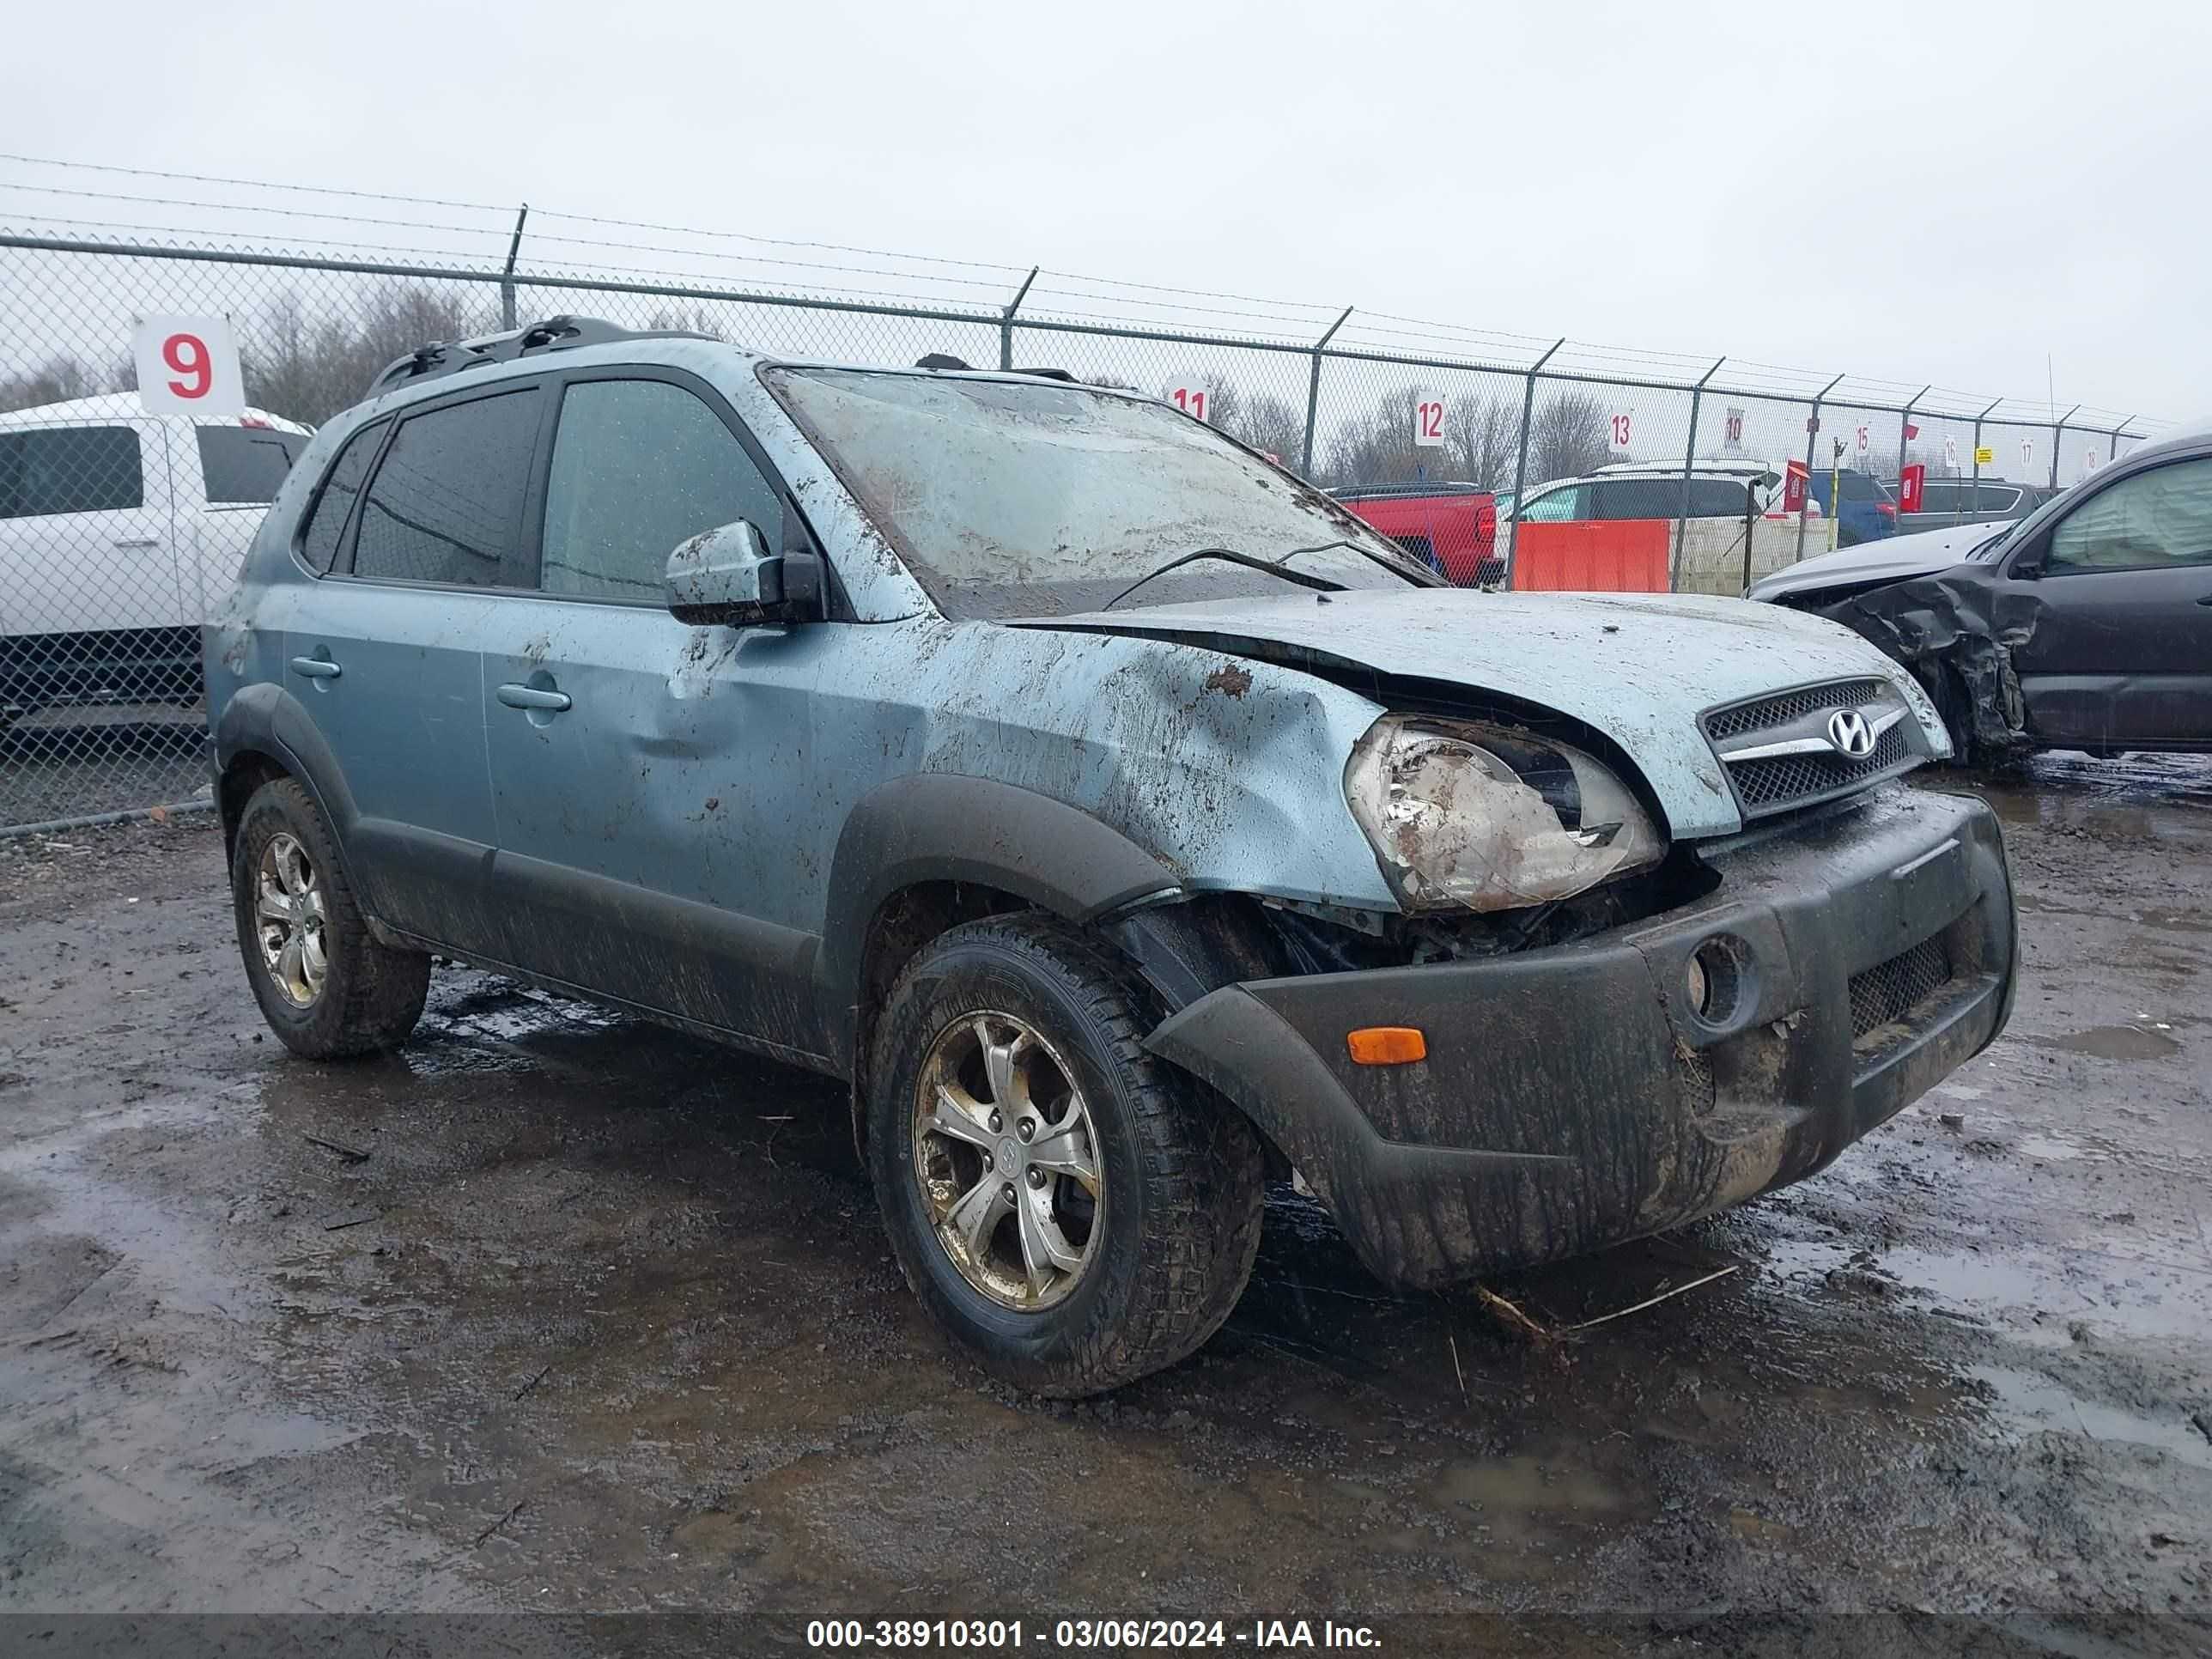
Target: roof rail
{"type": "Point", "coordinates": [442, 357]}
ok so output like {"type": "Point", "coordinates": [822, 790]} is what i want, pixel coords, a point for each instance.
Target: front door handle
{"type": "Point", "coordinates": [2207, 599]}
{"type": "Point", "coordinates": [316, 668]}
{"type": "Point", "coordinates": [529, 696]}
{"type": "Point", "coordinates": [137, 541]}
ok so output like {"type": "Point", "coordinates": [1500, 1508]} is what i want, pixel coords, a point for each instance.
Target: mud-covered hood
{"type": "Point", "coordinates": [1638, 667]}
{"type": "Point", "coordinates": [1922, 554]}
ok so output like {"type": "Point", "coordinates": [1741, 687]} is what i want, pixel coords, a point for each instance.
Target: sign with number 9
{"type": "Point", "coordinates": [187, 365]}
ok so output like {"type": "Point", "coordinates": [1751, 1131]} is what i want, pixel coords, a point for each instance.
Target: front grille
{"type": "Point", "coordinates": [1781, 779]}
{"type": "Point", "coordinates": [1890, 990]}
{"type": "Point", "coordinates": [1767, 712]}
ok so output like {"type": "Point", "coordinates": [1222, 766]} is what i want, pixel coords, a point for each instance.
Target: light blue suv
{"type": "Point", "coordinates": [1127, 821]}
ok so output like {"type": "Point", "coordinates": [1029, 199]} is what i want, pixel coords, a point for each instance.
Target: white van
{"type": "Point", "coordinates": [119, 533]}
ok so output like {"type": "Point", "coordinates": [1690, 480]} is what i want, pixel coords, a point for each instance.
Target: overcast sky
{"type": "Point", "coordinates": [1939, 193]}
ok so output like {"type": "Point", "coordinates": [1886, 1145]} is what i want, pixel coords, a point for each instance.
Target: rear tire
{"type": "Point", "coordinates": [1167, 1238]}
{"type": "Point", "coordinates": [327, 987]}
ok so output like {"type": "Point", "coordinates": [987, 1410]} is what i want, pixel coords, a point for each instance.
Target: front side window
{"type": "Point", "coordinates": [326, 520]}
{"type": "Point", "coordinates": [2155, 519]}
{"type": "Point", "coordinates": [639, 466]}
{"type": "Point", "coordinates": [1013, 498]}
{"type": "Point", "coordinates": [243, 465]}
{"type": "Point", "coordinates": [445, 504]}
{"type": "Point", "coordinates": [1562, 506]}
{"type": "Point", "coordinates": [45, 470]}
{"type": "Point", "coordinates": [1639, 498]}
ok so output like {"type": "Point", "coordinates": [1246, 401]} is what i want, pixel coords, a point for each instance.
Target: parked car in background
{"type": "Point", "coordinates": [119, 533]}
{"type": "Point", "coordinates": [1946, 503]}
{"type": "Point", "coordinates": [1451, 527]}
{"type": "Point", "coordinates": [1638, 490]}
{"type": "Point", "coordinates": [2086, 625]}
{"type": "Point", "coordinates": [1869, 508]}
{"type": "Point", "coordinates": [1125, 820]}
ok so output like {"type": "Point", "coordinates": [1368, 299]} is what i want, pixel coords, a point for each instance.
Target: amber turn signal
{"type": "Point", "coordinates": [1386, 1045]}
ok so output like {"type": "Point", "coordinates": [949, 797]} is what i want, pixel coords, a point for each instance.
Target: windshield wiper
{"type": "Point", "coordinates": [1229, 555]}
{"type": "Point", "coordinates": [1400, 564]}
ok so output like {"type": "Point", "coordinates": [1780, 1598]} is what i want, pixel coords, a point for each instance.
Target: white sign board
{"type": "Point", "coordinates": [1863, 435]}
{"type": "Point", "coordinates": [1621, 432]}
{"type": "Point", "coordinates": [2026, 458]}
{"type": "Point", "coordinates": [1428, 420]}
{"type": "Point", "coordinates": [1191, 399]}
{"type": "Point", "coordinates": [1732, 432]}
{"type": "Point", "coordinates": [187, 365]}
{"type": "Point", "coordinates": [2089, 462]}
{"type": "Point", "coordinates": [1950, 454]}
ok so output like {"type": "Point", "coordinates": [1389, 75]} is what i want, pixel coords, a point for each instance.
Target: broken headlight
{"type": "Point", "coordinates": [1485, 817]}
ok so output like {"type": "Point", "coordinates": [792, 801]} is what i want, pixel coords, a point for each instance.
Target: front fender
{"type": "Point", "coordinates": [941, 826]}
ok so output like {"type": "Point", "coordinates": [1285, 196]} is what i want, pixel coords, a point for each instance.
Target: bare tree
{"type": "Point", "coordinates": [1567, 437]}
{"type": "Point", "coordinates": [1482, 436]}
{"type": "Point", "coordinates": [56, 380]}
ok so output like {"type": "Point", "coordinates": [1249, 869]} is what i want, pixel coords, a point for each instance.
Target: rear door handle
{"type": "Point", "coordinates": [137, 541]}
{"type": "Point", "coordinates": [2207, 599]}
{"type": "Point", "coordinates": [529, 696]}
{"type": "Point", "coordinates": [316, 668]}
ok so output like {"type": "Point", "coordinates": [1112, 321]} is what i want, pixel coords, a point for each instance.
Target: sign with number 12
{"type": "Point", "coordinates": [187, 365]}
{"type": "Point", "coordinates": [1429, 421]}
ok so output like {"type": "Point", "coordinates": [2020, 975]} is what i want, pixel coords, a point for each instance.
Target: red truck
{"type": "Point", "coordinates": [1451, 527]}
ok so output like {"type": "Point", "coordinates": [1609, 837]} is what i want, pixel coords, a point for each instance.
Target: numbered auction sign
{"type": "Point", "coordinates": [1950, 454]}
{"type": "Point", "coordinates": [2027, 455]}
{"type": "Point", "coordinates": [1622, 434]}
{"type": "Point", "coordinates": [1429, 420]}
{"type": "Point", "coordinates": [1863, 436]}
{"type": "Point", "coordinates": [188, 366]}
{"type": "Point", "coordinates": [1191, 399]}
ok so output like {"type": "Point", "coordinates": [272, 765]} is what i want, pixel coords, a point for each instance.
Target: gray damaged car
{"type": "Point", "coordinates": [1125, 820]}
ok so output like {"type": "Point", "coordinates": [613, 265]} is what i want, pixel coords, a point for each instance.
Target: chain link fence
{"type": "Point", "coordinates": [120, 532]}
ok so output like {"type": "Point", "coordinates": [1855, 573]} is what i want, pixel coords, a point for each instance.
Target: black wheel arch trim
{"type": "Point", "coordinates": [265, 719]}
{"type": "Point", "coordinates": [947, 827]}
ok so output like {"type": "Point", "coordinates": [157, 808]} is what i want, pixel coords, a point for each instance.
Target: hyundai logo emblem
{"type": "Point", "coordinates": [1849, 735]}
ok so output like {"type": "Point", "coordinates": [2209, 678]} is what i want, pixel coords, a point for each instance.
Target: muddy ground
{"type": "Point", "coordinates": [558, 1312]}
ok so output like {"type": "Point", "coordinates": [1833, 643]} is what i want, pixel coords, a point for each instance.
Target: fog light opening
{"type": "Point", "coordinates": [1714, 977]}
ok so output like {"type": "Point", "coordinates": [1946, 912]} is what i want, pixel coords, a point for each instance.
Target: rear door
{"type": "Point", "coordinates": [385, 654]}
{"type": "Point", "coordinates": [2121, 652]}
{"type": "Point", "coordinates": [645, 847]}
{"type": "Point", "coordinates": [89, 604]}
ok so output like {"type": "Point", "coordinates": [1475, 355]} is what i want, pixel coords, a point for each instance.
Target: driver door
{"type": "Point", "coordinates": [633, 759]}
{"type": "Point", "coordinates": [2121, 654]}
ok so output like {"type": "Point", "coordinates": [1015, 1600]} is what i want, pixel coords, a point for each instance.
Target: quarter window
{"type": "Point", "coordinates": [45, 471]}
{"type": "Point", "coordinates": [638, 467]}
{"type": "Point", "coordinates": [2159, 518]}
{"type": "Point", "coordinates": [445, 504]}
{"type": "Point", "coordinates": [318, 543]}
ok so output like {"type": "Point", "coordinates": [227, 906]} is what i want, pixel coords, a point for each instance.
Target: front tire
{"type": "Point", "coordinates": [1070, 1209]}
{"type": "Point", "coordinates": [327, 987]}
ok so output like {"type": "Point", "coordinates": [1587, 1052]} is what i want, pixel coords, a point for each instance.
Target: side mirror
{"type": "Point", "coordinates": [727, 575]}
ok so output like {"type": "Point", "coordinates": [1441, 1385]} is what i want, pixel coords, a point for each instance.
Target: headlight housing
{"type": "Point", "coordinates": [1466, 815]}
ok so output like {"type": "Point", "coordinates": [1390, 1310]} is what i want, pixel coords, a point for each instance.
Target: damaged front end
{"type": "Point", "coordinates": [1958, 636]}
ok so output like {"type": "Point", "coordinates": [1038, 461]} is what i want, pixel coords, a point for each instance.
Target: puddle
{"type": "Point", "coordinates": [2144, 1041]}
{"type": "Point", "coordinates": [2040, 1405]}
{"type": "Point", "coordinates": [1529, 1485]}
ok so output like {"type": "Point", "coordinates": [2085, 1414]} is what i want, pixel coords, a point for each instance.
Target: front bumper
{"type": "Point", "coordinates": [1571, 1099]}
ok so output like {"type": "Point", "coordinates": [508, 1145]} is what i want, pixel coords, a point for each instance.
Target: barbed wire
{"type": "Point", "coordinates": [1385, 332]}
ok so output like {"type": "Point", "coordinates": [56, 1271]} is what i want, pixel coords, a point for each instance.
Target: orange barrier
{"type": "Point", "coordinates": [1600, 555]}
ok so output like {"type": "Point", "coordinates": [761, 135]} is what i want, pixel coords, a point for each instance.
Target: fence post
{"type": "Point", "coordinates": [2058, 440]}
{"type": "Point", "coordinates": [1812, 437]}
{"type": "Point", "coordinates": [1689, 458]}
{"type": "Point", "coordinates": [507, 276]}
{"type": "Point", "coordinates": [1313, 395]}
{"type": "Point", "coordinates": [2112, 449]}
{"type": "Point", "coordinates": [1520, 463]}
{"type": "Point", "coordinates": [1974, 494]}
{"type": "Point", "coordinates": [1006, 320]}
{"type": "Point", "coordinates": [1904, 420]}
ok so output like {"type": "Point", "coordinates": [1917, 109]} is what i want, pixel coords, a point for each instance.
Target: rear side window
{"type": "Point", "coordinates": [326, 520]}
{"type": "Point", "coordinates": [445, 504]}
{"type": "Point", "coordinates": [1858, 487]}
{"type": "Point", "coordinates": [639, 466]}
{"type": "Point", "coordinates": [70, 469]}
{"type": "Point", "coordinates": [1995, 499]}
{"type": "Point", "coordinates": [243, 465]}
{"type": "Point", "coordinates": [1558, 506]}
{"type": "Point", "coordinates": [1719, 498]}
{"type": "Point", "coordinates": [1639, 498]}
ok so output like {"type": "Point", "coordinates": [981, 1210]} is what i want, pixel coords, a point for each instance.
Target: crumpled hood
{"type": "Point", "coordinates": [1922, 554]}
{"type": "Point", "coordinates": [1639, 667]}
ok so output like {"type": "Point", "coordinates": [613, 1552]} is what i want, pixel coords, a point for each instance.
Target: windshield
{"type": "Point", "coordinates": [1017, 498]}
